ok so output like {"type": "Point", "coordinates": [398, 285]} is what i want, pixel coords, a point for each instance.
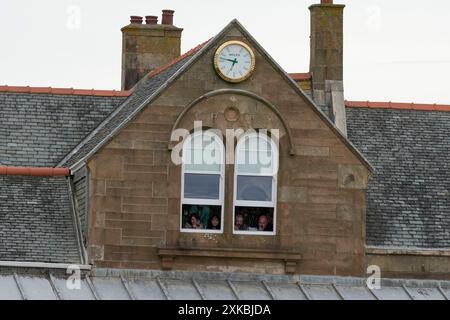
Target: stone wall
{"type": "Point", "coordinates": [409, 263]}
{"type": "Point", "coordinates": [135, 188]}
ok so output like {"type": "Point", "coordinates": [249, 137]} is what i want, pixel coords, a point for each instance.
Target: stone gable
{"type": "Point", "coordinates": [135, 188]}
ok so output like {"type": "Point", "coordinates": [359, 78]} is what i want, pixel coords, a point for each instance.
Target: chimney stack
{"type": "Point", "coordinates": [327, 46]}
{"type": "Point", "coordinates": [327, 55]}
{"type": "Point", "coordinates": [146, 47]}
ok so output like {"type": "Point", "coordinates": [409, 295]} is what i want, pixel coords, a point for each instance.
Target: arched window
{"type": "Point", "coordinates": [255, 185]}
{"type": "Point", "coordinates": [202, 183]}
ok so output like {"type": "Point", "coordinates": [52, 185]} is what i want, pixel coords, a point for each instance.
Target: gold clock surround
{"type": "Point", "coordinates": [216, 61]}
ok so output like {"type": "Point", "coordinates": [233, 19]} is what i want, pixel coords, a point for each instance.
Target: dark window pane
{"type": "Point", "coordinates": [201, 186]}
{"type": "Point", "coordinates": [253, 219]}
{"type": "Point", "coordinates": [254, 188]}
{"type": "Point", "coordinates": [201, 217]}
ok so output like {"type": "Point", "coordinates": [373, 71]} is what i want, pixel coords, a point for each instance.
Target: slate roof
{"type": "Point", "coordinates": [107, 284]}
{"type": "Point", "coordinates": [409, 194]}
{"type": "Point", "coordinates": [142, 91]}
{"type": "Point", "coordinates": [36, 221]}
{"type": "Point", "coordinates": [40, 129]}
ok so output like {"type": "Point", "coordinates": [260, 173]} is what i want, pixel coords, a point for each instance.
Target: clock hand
{"type": "Point", "coordinates": [234, 62]}
{"type": "Point", "coordinates": [228, 59]}
{"type": "Point", "coordinates": [231, 68]}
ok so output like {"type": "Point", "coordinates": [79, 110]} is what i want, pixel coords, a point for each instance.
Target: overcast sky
{"type": "Point", "coordinates": [394, 50]}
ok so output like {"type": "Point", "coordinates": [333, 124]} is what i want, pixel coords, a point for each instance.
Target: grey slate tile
{"type": "Point", "coordinates": [145, 88]}
{"type": "Point", "coordinates": [40, 129]}
{"type": "Point", "coordinates": [408, 196]}
{"type": "Point", "coordinates": [36, 222]}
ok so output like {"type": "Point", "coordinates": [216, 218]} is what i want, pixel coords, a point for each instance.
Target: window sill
{"type": "Point", "coordinates": [290, 259]}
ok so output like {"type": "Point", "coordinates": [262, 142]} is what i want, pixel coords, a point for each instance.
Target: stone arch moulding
{"type": "Point", "coordinates": [242, 93]}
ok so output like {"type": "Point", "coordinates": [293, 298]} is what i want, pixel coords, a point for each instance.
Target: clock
{"type": "Point", "coordinates": [234, 61]}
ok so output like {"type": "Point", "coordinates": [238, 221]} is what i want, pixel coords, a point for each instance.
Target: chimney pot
{"type": "Point", "coordinates": [151, 19]}
{"type": "Point", "coordinates": [326, 1]}
{"type": "Point", "coordinates": [167, 17]}
{"type": "Point", "coordinates": [136, 19]}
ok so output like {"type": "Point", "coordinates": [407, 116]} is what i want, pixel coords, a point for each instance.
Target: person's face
{"type": "Point", "coordinates": [194, 221]}
{"type": "Point", "coordinates": [239, 220]}
{"type": "Point", "coordinates": [215, 221]}
{"type": "Point", "coordinates": [262, 223]}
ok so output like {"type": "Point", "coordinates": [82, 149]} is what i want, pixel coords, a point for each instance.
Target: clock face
{"type": "Point", "coordinates": [234, 61]}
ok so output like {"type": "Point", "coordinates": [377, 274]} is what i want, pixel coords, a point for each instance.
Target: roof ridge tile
{"type": "Point", "coordinates": [300, 76]}
{"type": "Point", "coordinates": [398, 105]}
{"type": "Point", "coordinates": [178, 59]}
{"type": "Point", "coordinates": [34, 171]}
{"type": "Point", "coordinates": [65, 91]}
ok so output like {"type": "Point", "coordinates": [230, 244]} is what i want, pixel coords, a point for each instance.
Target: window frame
{"type": "Point", "coordinates": [257, 204]}
{"type": "Point", "coordinates": [203, 202]}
